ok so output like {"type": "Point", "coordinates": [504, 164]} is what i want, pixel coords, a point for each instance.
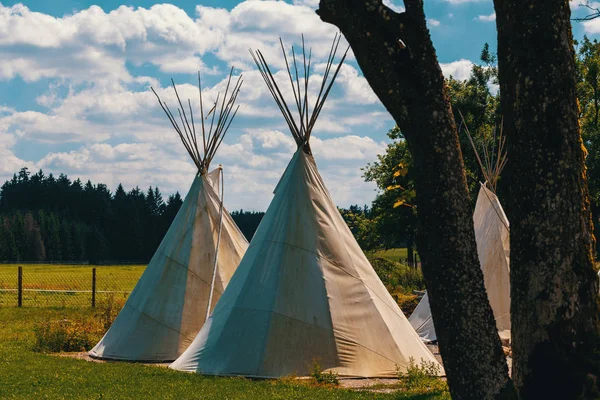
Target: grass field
{"type": "Point", "coordinates": [393, 254]}
{"type": "Point", "coordinates": [53, 285]}
{"type": "Point", "coordinates": [50, 285]}
{"type": "Point", "coordinates": [25, 374]}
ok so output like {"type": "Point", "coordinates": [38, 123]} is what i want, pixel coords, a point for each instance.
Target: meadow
{"type": "Point", "coordinates": [52, 285]}
{"type": "Point", "coordinates": [398, 255]}
{"type": "Point", "coordinates": [26, 374]}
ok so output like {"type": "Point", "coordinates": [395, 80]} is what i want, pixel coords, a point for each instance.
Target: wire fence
{"type": "Point", "coordinates": [51, 285]}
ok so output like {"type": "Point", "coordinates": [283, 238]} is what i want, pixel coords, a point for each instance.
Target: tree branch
{"type": "Point", "coordinates": [595, 13]}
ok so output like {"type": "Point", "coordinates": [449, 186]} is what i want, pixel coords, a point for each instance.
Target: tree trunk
{"type": "Point", "coordinates": [396, 55]}
{"type": "Point", "coordinates": [554, 289]}
{"type": "Point", "coordinates": [410, 253]}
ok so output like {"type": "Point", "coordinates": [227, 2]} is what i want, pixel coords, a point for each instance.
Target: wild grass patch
{"type": "Point", "coordinates": [323, 378]}
{"type": "Point", "coordinates": [422, 378]}
{"type": "Point", "coordinates": [76, 335]}
{"type": "Point", "coordinates": [65, 335]}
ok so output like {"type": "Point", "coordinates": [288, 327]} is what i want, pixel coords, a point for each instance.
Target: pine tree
{"type": "Point", "coordinates": [79, 235]}
{"type": "Point", "coordinates": [3, 241]}
{"type": "Point", "coordinates": [34, 246]}
{"type": "Point", "coordinates": [66, 241]}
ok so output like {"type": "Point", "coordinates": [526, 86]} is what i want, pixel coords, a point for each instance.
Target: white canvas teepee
{"type": "Point", "coordinates": [304, 290]}
{"type": "Point", "coordinates": [492, 234]}
{"type": "Point", "coordinates": [493, 248]}
{"type": "Point", "coordinates": [192, 266]}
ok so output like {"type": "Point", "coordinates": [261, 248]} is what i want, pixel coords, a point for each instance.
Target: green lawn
{"type": "Point", "coordinates": [49, 285]}
{"type": "Point", "coordinates": [393, 254]}
{"type": "Point", "coordinates": [25, 374]}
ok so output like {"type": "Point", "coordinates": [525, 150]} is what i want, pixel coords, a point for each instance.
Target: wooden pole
{"type": "Point", "coordinates": [20, 288]}
{"type": "Point", "coordinates": [94, 287]}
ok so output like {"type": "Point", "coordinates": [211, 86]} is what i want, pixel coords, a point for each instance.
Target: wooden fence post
{"type": "Point", "coordinates": [94, 287]}
{"type": "Point", "coordinates": [20, 288]}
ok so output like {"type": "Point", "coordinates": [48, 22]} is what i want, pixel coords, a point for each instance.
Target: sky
{"type": "Point", "coordinates": [75, 98]}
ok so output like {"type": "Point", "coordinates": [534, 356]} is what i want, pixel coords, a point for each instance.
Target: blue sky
{"type": "Point", "coordinates": [75, 96]}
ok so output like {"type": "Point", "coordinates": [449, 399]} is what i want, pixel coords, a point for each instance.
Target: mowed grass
{"type": "Point", "coordinates": [25, 374]}
{"type": "Point", "coordinates": [51, 285]}
{"type": "Point", "coordinates": [397, 255]}
{"type": "Point", "coordinates": [54, 285]}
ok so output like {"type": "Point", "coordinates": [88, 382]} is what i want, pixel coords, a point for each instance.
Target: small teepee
{"type": "Point", "coordinates": [195, 260]}
{"type": "Point", "coordinates": [492, 235]}
{"type": "Point", "coordinates": [304, 291]}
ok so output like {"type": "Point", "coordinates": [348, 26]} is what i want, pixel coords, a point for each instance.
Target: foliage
{"type": "Point", "coordinates": [400, 280]}
{"type": "Point", "coordinates": [423, 378]}
{"type": "Point", "coordinates": [588, 95]}
{"type": "Point", "coordinates": [363, 226]}
{"type": "Point", "coordinates": [66, 335]}
{"type": "Point", "coordinates": [406, 302]}
{"type": "Point", "coordinates": [77, 335]}
{"type": "Point", "coordinates": [247, 221]}
{"type": "Point", "coordinates": [393, 210]}
{"type": "Point", "coordinates": [108, 310]}
{"type": "Point", "coordinates": [480, 107]}
{"type": "Point", "coordinates": [323, 378]}
{"type": "Point", "coordinates": [43, 218]}
{"type": "Point", "coordinates": [395, 275]}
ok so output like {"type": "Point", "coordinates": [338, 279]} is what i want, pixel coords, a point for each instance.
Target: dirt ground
{"type": "Point", "coordinates": [86, 357]}
{"type": "Point", "coordinates": [370, 384]}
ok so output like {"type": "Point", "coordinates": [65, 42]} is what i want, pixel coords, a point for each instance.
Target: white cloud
{"type": "Point", "coordinates": [355, 148]}
{"type": "Point", "coordinates": [251, 176]}
{"type": "Point", "coordinates": [9, 163]}
{"type": "Point", "coordinates": [395, 7]}
{"type": "Point", "coordinates": [591, 26]}
{"type": "Point", "coordinates": [459, 70]}
{"type": "Point", "coordinates": [92, 44]}
{"type": "Point", "coordinates": [487, 18]}
{"type": "Point", "coordinates": [433, 22]}
{"type": "Point", "coordinates": [103, 122]}
{"type": "Point", "coordinates": [356, 88]}
{"type": "Point", "coordinates": [575, 4]}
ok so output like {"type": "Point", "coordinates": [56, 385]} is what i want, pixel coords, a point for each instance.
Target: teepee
{"type": "Point", "coordinates": [304, 291]}
{"type": "Point", "coordinates": [492, 235]}
{"type": "Point", "coordinates": [195, 260]}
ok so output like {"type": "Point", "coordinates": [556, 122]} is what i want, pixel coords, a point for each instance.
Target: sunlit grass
{"type": "Point", "coordinates": [25, 374]}
{"type": "Point", "coordinates": [398, 255]}
{"type": "Point", "coordinates": [53, 285]}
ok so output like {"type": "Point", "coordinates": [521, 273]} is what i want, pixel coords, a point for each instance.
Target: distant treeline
{"type": "Point", "coordinates": [44, 218]}
{"type": "Point", "coordinates": [247, 221]}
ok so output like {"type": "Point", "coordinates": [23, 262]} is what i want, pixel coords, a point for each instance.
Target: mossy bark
{"type": "Point", "coordinates": [395, 52]}
{"type": "Point", "coordinates": [554, 288]}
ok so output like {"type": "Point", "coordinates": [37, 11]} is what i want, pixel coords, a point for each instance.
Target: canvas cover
{"type": "Point", "coordinates": [304, 291]}
{"type": "Point", "coordinates": [421, 320]}
{"type": "Point", "coordinates": [167, 307]}
{"type": "Point", "coordinates": [493, 247]}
